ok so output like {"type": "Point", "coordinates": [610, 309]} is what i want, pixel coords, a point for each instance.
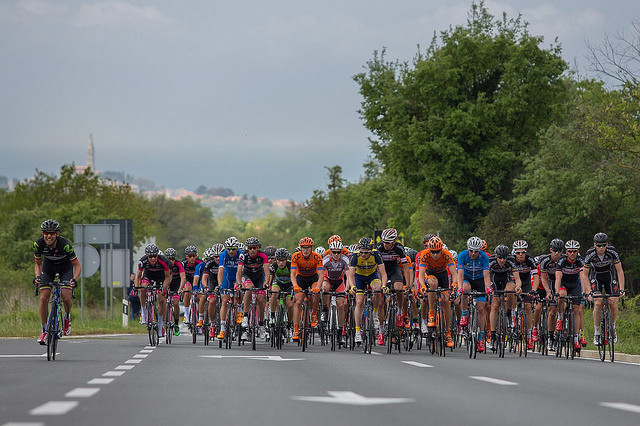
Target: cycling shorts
{"type": "Point", "coordinates": [256, 280]}
{"type": "Point", "coordinates": [307, 282]}
{"type": "Point", "coordinates": [442, 277]}
{"type": "Point", "coordinates": [337, 286]}
{"type": "Point", "coordinates": [573, 289]}
{"type": "Point", "coordinates": [279, 286]}
{"type": "Point", "coordinates": [174, 285]}
{"type": "Point", "coordinates": [604, 281]}
{"type": "Point", "coordinates": [500, 285]}
{"type": "Point", "coordinates": [362, 281]}
{"type": "Point", "coordinates": [395, 276]}
{"type": "Point", "coordinates": [46, 278]}
{"type": "Point", "coordinates": [476, 285]}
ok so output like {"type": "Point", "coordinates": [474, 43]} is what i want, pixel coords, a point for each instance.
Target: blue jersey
{"type": "Point", "coordinates": [473, 268]}
{"type": "Point", "coordinates": [230, 265]}
{"type": "Point", "coordinates": [198, 273]}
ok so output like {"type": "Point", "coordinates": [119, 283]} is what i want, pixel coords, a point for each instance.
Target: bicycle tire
{"type": "Point", "coordinates": [303, 338]}
{"type": "Point", "coordinates": [602, 338]}
{"type": "Point", "coordinates": [523, 331]}
{"type": "Point", "coordinates": [391, 322]}
{"type": "Point", "coordinates": [612, 352]}
{"type": "Point", "coordinates": [253, 326]}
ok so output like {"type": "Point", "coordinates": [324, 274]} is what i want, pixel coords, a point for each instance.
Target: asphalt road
{"type": "Point", "coordinates": [120, 381]}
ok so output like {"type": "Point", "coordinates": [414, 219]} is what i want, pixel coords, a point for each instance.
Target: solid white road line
{"type": "Point", "coordinates": [133, 361]}
{"type": "Point", "coordinates": [125, 367]}
{"type": "Point", "coordinates": [54, 408]}
{"type": "Point", "coordinates": [23, 424]}
{"type": "Point", "coordinates": [622, 406]}
{"type": "Point", "coordinates": [494, 381]}
{"type": "Point", "coordinates": [417, 364]}
{"type": "Point", "coordinates": [82, 392]}
{"type": "Point", "coordinates": [113, 373]}
{"type": "Point", "coordinates": [140, 356]}
{"type": "Point", "coordinates": [100, 381]}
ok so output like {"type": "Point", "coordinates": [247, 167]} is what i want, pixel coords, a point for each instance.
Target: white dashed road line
{"type": "Point", "coordinates": [622, 406]}
{"type": "Point", "coordinates": [54, 408]}
{"type": "Point", "coordinates": [100, 381]}
{"type": "Point", "coordinates": [417, 364]}
{"type": "Point", "coordinates": [133, 361]}
{"type": "Point", "coordinates": [124, 367]}
{"type": "Point", "coordinates": [142, 356]}
{"type": "Point", "coordinates": [113, 373]}
{"type": "Point", "coordinates": [494, 381]}
{"type": "Point", "coordinates": [82, 392]}
{"type": "Point", "coordinates": [23, 424]}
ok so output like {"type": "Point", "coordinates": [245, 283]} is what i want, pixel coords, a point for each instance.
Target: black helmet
{"type": "Point", "coordinates": [600, 237]}
{"type": "Point", "coordinates": [50, 225]}
{"type": "Point", "coordinates": [365, 243]}
{"type": "Point", "coordinates": [502, 251]}
{"type": "Point", "coordinates": [190, 250]}
{"type": "Point", "coordinates": [151, 250]}
{"type": "Point", "coordinates": [282, 254]}
{"type": "Point", "coordinates": [252, 242]}
{"type": "Point", "coordinates": [270, 251]}
{"type": "Point", "coordinates": [557, 244]}
{"type": "Point", "coordinates": [426, 238]}
{"type": "Point", "coordinates": [171, 253]}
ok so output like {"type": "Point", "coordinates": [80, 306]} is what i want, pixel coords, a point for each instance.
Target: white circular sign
{"type": "Point", "coordinates": [89, 259]}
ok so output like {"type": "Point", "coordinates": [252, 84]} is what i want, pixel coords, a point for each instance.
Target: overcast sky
{"type": "Point", "coordinates": [257, 95]}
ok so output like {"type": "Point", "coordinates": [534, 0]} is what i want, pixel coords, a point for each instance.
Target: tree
{"type": "Point", "coordinates": [458, 121]}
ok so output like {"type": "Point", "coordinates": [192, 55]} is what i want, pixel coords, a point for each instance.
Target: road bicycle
{"type": "Point", "coordinates": [606, 339]}
{"type": "Point", "coordinates": [471, 330]}
{"type": "Point", "coordinates": [436, 336]}
{"type": "Point", "coordinates": [55, 320]}
{"type": "Point", "coordinates": [278, 331]}
{"type": "Point", "coordinates": [502, 329]}
{"type": "Point", "coordinates": [151, 309]}
{"type": "Point", "coordinates": [565, 337]}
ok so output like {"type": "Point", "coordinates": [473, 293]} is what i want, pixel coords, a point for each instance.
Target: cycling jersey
{"type": "Point", "coordinates": [198, 273]}
{"type": "Point", "coordinates": [527, 269]}
{"type": "Point", "coordinates": [306, 267]}
{"type": "Point", "coordinates": [601, 264]}
{"type": "Point", "coordinates": [190, 269]}
{"type": "Point", "coordinates": [253, 267]}
{"type": "Point", "coordinates": [210, 269]}
{"type": "Point", "coordinates": [176, 269]}
{"type": "Point", "coordinates": [280, 276]}
{"type": "Point", "coordinates": [335, 270]}
{"type": "Point", "coordinates": [154, 271]}
{"type": "Point", "coordinates": [548, 266]}
{"type": "Point", "coordinates": [500, 275]}
{"type": "Point", "coordinates": [473, 268]}
{"type": "Point", "coordinates": [392, 258]}
{"type": "Point", "coordinates": [229, 264]}
{"type": "Point", "coordinates": [435, 266]}
{"type": "Point", "coordinates": [368, 266]}
{"type": "Point", "coordinates": [59, 256]}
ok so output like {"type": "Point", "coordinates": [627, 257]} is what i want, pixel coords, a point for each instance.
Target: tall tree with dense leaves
{"type": "Point", "coordinates": [457, 122]}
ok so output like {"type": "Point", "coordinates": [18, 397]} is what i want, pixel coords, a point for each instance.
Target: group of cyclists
{"type": "Point", "coordinates": [240, 274]}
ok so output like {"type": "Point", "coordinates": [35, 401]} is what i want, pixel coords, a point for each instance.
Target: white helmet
{"type": "Point", "coordinates": [335, 245]}
{"type": "Point", "coordinates": [320, 250]}
{"type": "Point", "coordinates": [520, 245]}
{"type": "Point", "coordinates": [474, 243]}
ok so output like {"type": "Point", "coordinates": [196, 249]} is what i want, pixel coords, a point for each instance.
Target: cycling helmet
{"type": "Point", "coordinates": [572, 245]}
{"type": "Point", "coordinates": [444, 246]}
{"type": "Point", "coordinates": [171, 253]}
{"type": "Point", "coordinates": [160, 253]}
{"type": "Point", "coordinates": [353, 248]}
{"type": "Point", "coordinates": [556, 244]}
{"type": "Point", "coordinates": [242, 247]}
{"type": "Point", "coordinates": [216, 249]}
{"type": "Point", "coordinates": [502, 251]}
{"type": "Point", "coordinates": [389, 235]}
{"type": "Point", "coordinates": [335, 245]}
{"type": "Point", "coordinates": [435, 243]}
{"type": "Point", "coordinates": [207, 254]}
{"type": "Point", "coordinates": [520, 245]}
{"type": "Point", "coordinates": [411, 253]}
{"type": "Point", "coordinates": [474, 243]}
{"type": "Point", "coordinates": [320, 250]}
{"type": "Point", "coordinates": [454, 254]}
{"type": "Point", "coordinates": [365, 243]}
{"type": "Point", "coordinates": [270, 251]}
{"type": "Point", "coordinates": [426, 238]}
{"type": "Point", "coordinates": [600, 237]}
{"type": "Point", "coordinates": [231, 242]}
{"type": "Point", "coordinates": [484, 245]}
{"type": "Point", "coordinates": [151, 250]}
{"type": "Point", "coordinates": [50, 225]}
{"type": "Point", "coordinates": [282, 254]}
{"type": "Point", "coordinates": [190, 250]}
{"type": "Point", "coordinates": [334, 238]}
{"type": "Point", "coordinates": [297, 249]}
{"type": "Point", "coordinates": [253, 242]}
{"type": "Point", "coordinates": [305, 241]}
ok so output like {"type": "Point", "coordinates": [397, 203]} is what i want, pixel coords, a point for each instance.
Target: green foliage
{"type": "Point", "coordinates": [459, 120]}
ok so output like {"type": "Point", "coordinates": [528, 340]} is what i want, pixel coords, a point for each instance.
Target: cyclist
{"type": "Point", "coordinates": [189, 264]}
{"type": "Point", "coordinates": [197, 288]}
{"type": "Point", "coordinates": [336, 265]}
{"type": "Point", "coordinates": [568, 281]}
{"type": "Point", "coordinates": [602, 259]}
{"type": "Point", "coordinates": [435, 266]}
{"type": "Point", "coordinates": [153, 267]}
{"type": "Point", "coordinates": [54, 255]}
{"type": "Point", "coordinates": [210, 282]}
{"type": "Point", "coordinates": [227, 268]}
{"type": "Point", "coordinates": [253, 270]}
{"type": "Point", "coordinates": [177, 281]}
{"type": "Point", "coordinates": [307, 272]}
{"type": "Point", "coordinates": [366, 268]}
{"type": "Point", "coordinates": [280, 280]}
{"type": "Point", "coordinates": [502, 268]}
{"type": "Point", "coordinates": [416, 281]}
{"type": "Point", "coordinates": [270, 251]}
{"type": "Point", "coordinates": [547, 264]}
{"type": "Point", "coordinates": [473, 273]}
{"type": "Point", "coordinates": [528, 271]}
{"type": "Point", "coordinates": [396, 267]}
{"type": "Point", "coordinates": [327, 252]}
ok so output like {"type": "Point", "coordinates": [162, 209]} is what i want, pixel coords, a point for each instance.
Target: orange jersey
{"type": "Point", "coordinates": [328, 252]}
{"type": "Point", "coordinates": [306, 267]}
{"type": "Point", "coordinates": [436, 266]}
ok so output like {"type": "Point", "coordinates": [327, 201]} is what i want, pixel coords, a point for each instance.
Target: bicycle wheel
{"type": "Point", "coordinates": [51, 332]}
{"type": "Point", "coordinates": [523, 331]}
{"type": "Point", "coordinates": [500, 332]}
{"type": "Point", "coordinates": [253, 326]}
{"type": "Point", "coordinates": [569, 336]}
{"type": "Point", "coordinates": [193, 315]}
{"type": "Point", "coordinates": [391, 322]}
{"type": "Point", "coordinates": [602, 338]}
{"type": "Point", "coordinates": [611, 342]}
{"type": "Point", "coordinates": [305, 323]}
{"type": "Point", "coordinates": [439, 334]}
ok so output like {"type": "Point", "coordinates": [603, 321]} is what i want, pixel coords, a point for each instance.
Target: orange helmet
{"type": "Point", "coordinates": [306, 241]}
{"type": "Point", "coordinates": [484, 245]}
{"type": "Point", "coordinates": [435, 243]}
{"type": "Point", "coordinates": [334, 238]}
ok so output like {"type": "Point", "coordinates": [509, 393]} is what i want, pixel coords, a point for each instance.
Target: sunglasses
{"type": "Point", "coordinates": [435, 251]}
{"type": "Point", "coordinates": [364, 252]}
{"type": "Point", "coordinates": [191, 255]}
{"type": "Point", "coordinates": [253, 248]}
{"type": "Point", "coordinates": [336, 251]}
{"type": "Point", "coordinates": [521, 252]}
{"type": "Point", "coordinates": [306, 247]}
{"type": "Point", "coordinates": [152, 256]}
{"type": "Point", "coordinates": [232, 248]}
{"type": "Point", "coordinates": [474, 251]}
{"type": "Point", "coordinates": [501, 257]}
{"type": "Point", "coordinates": [601, 245]}
{"type": "Point", "coordinates": [572, 251]}
{"type": "Point", "coordinates": [49, 233]}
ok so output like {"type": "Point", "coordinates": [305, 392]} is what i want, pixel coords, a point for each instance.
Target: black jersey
{"type": "Point", "coordinates": [176, 269]}
{"type": "Point", "coordinates": [60, 254]}
{"type": "Point", "coordinates": [570, 270]}
{"type": "Point", "coordinates": [548, 266]}
{"type": "Point", "coordinates": [190, 270]}
{"type": "Point", "coordinates": [157, 269]}
{"type": "Point", "coordinates": [392, 258]}
{"type": "Point", "coordinates": [253, 267]}
{"type": "Point", "coordinates": [501, 273]}
{"type": "Point", "coordinates": [280, 275]}
{"type": "Point", "coordinates": [602, 264]}
{"type": "Point", "coordinates": [211, 268]}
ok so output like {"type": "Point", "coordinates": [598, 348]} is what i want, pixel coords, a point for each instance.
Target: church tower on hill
{"type": "Point", "coordinates": [91, 154]}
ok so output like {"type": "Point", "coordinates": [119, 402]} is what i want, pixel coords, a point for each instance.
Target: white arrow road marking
{"type": "Point", "coordinates": [82, 392]}
{"type": "Point", "coordinates": [258, 357]}
{"type": "Point", "coordinates": [352, 398]}
{"type": "Point", "coordinates": [622, 406]}
{"type": "Point", "coordinates": [54, 408]}
{"type": "Point", "coordinates": [417, 364]}
{"type": "Point", "coordinates": [494, 381]}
